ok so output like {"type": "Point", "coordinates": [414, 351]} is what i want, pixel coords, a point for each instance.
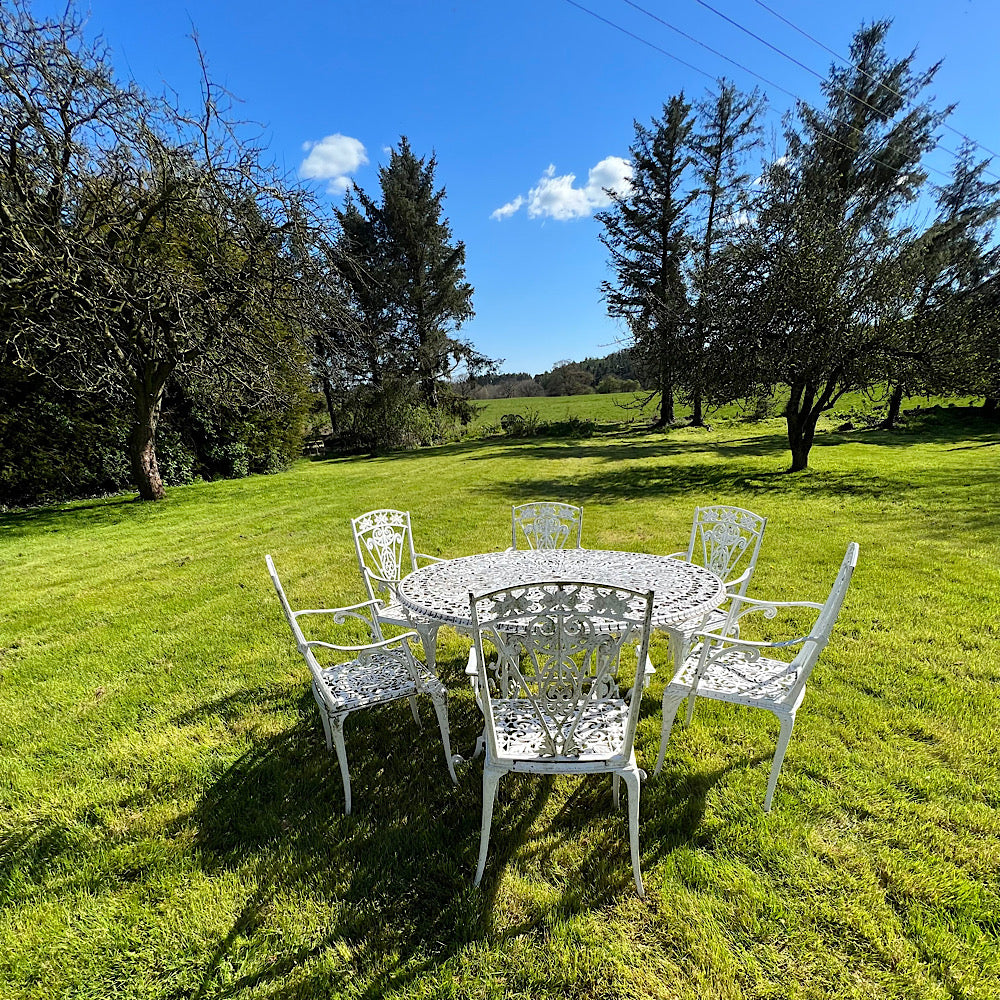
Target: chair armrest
{"type": "Point", "coordinates": [738, 581]}
{"type": "Point", "coordinates": [382, 581]}
{"type": "Point", "coordinates": [741, 607]}
{"type": "Point", "coordinates": [750, 643]}
{"type": "Point", "coordinates": [360, 649]}
{"type": "Point", "coordinates": [336, 611]}
{"type": "Point", "coordinates": [433, 559]}
{"type": "Point", "coordinates": [677, 555]}
{"type": "Point", "coordinates": [776, 604]}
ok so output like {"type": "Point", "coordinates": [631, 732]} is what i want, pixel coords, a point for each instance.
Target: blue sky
{"type": "Point", "coordinates": [528, 106]}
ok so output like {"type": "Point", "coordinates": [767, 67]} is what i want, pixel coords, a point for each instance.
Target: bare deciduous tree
{"type": "Point", "coordinates": [136, 240]}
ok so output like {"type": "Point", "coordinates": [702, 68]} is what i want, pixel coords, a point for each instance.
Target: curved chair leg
{"type": "Point", "coordinates": [324, 716]}
{"type": "Point", "coordinates": [676, 646]}
{"type": "Point", "coordinates": [671, 702]}
{"type": "Point", "coordinates": [428, 639]}
{"type": "Point", "coordinates": [441, 710]}
{"type": "Point", "coordinates": [413, 708]}
{"type": "Point", "coordinates": [631, 779]}
{"type": "Point", "coordinates": [787, 723]}
{"type": "Point", "coordinates": [337, 729]}
{"type": "Point", "coordinates": [689, 715]}
{"type": "Point", "coordinates": [491, 778]}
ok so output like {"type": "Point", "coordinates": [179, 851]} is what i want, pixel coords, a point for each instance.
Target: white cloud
{"type": "Point", "coordinates": [333, 159]}
{"type": "Point", "coordinates": [559, 197]}
{"type": "Point", "coordinates": [509, 209]}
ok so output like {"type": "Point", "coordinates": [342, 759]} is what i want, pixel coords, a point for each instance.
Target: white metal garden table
{"type": "Point", "coordinates": [681, 590]}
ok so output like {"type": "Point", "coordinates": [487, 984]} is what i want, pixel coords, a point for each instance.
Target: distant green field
{"type": "Point", "coordinates": [623, 408]}
{"type": "Point", "coordinates": [604, 408]}
{"type": "Point", "coordinates": [171, 823]}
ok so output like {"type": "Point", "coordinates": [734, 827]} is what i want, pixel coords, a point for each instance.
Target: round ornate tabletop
{"type": "Point", "coordinates": [681, 590]}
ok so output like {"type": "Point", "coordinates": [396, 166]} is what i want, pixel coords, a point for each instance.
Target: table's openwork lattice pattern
{"type": "Point", "coordinates": [681, 590]}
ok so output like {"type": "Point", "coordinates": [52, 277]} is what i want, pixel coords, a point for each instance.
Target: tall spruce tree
{"type": "Point", "coordinates": [645, 233]}
{"type": "Point", "coordinates": [726, 132]}
{"type": "Point", "coordinates": [407, 276]}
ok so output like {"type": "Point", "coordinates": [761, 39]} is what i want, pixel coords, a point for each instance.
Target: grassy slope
{"type": "Point", "coordinates": [171, 821]}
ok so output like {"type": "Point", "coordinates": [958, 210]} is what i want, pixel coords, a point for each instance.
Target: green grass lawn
{"type": "Point", "coordinates": [171, 823]}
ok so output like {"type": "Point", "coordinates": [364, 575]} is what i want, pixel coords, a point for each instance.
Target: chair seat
{"type": "Point", "coordinates": [520, 734]}
{"type": "Point", "coordinates": [736, 678]}
{"type": "Point", "coordinates": [383, 678]}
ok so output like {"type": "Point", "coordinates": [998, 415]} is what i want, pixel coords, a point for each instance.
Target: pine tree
{"type": "Point", "coordinates": [940, 343]}
{"type": "Point", "coordinates": [726, 132]}
{"type": "Point", "coordinates": [644, 232]}
{"type": "Point", "coordinates": [424, 269]}
{"type": "Point", "coordinates": [820, 273]}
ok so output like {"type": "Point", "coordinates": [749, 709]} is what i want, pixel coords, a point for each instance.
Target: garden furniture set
{"type": "Point", "coordinates": [550, 624]}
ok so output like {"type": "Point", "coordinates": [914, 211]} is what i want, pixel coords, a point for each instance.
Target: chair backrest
{"type": "Point", "coordinates": [383, 541]}
{"type": "Point", "coordinates": [819, 636]}
{"type": "Point", "coordinates": [546, 524]}
{"type": "Point", "coordinates": [558, 649]}
{"type": "Point", "coordinates": [360, 613]}
{"type": "Point", "coordinates": [290, 617]}
{"type": "Point", "coordinates": [726, 540]}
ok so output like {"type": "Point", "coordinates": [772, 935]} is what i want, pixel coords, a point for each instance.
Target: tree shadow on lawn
{"type": "Point", "coordinates": [710, 479]}
{"type": "Point", "coordinates": [113, 511]}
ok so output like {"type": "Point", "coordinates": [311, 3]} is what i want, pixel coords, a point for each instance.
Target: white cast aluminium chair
{"type": "Point", "coordinates": [736, 670]}
{"type": "Point", "coordinates": [379, 672]}
{"type": "Point", "coordinates": [725, 540]}
{"type": "Point", "coordinates": [549, 696]}
{"type": "Point", "coordinates": [546, 524]}
{"type": "Point", "coordinates": [383, 542]}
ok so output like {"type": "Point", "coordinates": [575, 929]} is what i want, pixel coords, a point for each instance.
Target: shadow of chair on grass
{"type": "Point", "coordinates": [398, 872]}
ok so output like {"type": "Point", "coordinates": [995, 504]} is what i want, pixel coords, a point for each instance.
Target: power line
{"type": "Point", "coordinates": [770, 83]}
{"type": "Point", "coordinates": [781, 52]}
{"type": "Point", "coordinates": [639, 38]}
{"type": "Point", "coordinates": [715, 52]}
{"type": "Point", "coordinates": [843, 59]}
{"type": "Point", "coordinates": [870, 157]}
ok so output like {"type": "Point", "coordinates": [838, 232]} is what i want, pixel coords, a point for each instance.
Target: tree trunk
{"type": "Point", "coordinates": [800, 419]}
{"type": "Point", "coordinates": [697, 417]}
{"type": "Point", "coordinates": [142, 436]}
{"type": "Point", "coordinates": [991, 404]}
{"type": "Point", "coordinates": [895, 402]}
{"type": "Point", "coordinates": [666, 417]}
{"type": "Point", "coordinates": [142, 453]}
{"type": "Point", "coordinates": [330, 409]}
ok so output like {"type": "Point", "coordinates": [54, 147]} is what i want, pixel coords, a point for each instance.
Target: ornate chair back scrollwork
{"type": "Point", "coordinates": [546, 524]}
{"type": "Point", "coordinates": [548, 690]}
{"type": "Point", "coordinates": [374, 673]}
{"type": "Point", "coordinates": [724, 539]}
{"type": "Point", "coordinates": [383, 542]}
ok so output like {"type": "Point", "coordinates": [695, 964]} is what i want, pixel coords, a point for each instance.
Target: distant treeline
{"type": "Point", "coordinates": [615, 372]}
